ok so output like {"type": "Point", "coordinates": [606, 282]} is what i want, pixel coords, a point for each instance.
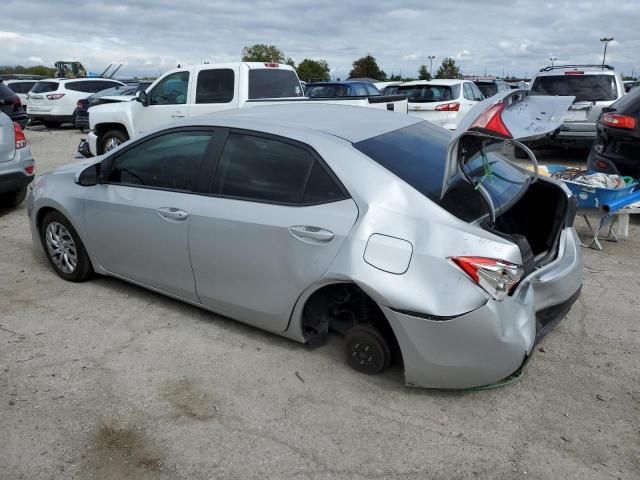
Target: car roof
{"type": "Point", "coordinates": [448, 81]}
{"type": "Point", "coordinates": [350, 123]}
{"type": "Point", "coordinates": [77, 79]}
{"type": "Point", "coordinates": [341, 82]}
{"type": "Point", "coordinates": [590, 69]}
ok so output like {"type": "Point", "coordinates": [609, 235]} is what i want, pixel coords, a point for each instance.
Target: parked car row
{"type": "Point", "coordinates": [11, 105]}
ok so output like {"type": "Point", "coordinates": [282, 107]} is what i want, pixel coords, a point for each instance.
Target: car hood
{"type": "Point", "coordinates": [526, 116]}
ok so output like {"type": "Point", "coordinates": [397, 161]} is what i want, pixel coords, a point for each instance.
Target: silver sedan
{"type": "Point", "coordinates": [420, 247]}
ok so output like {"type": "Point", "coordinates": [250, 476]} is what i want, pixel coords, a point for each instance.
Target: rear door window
{"type": "Point", "coordinates": [273, 83]}
{"type": "Point", "coordinates": [468, 94]}
{"type": "Point", "coordinates": [85, 87]}
{"type": "Point", "coordinates": [268, 170]}
{"type": "Point", "coordinates": [477, 94]}
{"type": "Point", "coordinates": [45, 87]}
{"type": "Point", "coordinates": [215, 86]}
{"type": "Point", "coordinates": [586, 88]}
{"type": "Point", "coordinates": [21, 87]}
{"type": "Point", "coordinates": [429, 93]}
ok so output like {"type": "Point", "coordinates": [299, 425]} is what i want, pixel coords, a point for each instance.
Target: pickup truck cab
{"type": "Point", "coordinates": [201, 89]}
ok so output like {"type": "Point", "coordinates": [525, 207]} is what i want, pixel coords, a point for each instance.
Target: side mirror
{"type": "Point", "coordinates": [89, 176]}
{"type": "Point", "coordinates": [143, 98]}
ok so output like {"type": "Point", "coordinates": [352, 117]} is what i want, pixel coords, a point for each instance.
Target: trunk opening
{"type": "Point", "coordinates": [538, 217]}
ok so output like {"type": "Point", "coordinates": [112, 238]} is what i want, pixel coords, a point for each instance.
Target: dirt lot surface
{"type": "Point", "coordinates": [104, 380]}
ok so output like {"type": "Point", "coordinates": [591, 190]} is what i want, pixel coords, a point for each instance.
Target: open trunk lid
{"type": "Point", "coordinates": [513, 114]}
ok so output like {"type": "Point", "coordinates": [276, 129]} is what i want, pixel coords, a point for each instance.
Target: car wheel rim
{"type": "Point", "coordinates": [61, 247]}
{"type": "Point", "coordinates": [111, 144]}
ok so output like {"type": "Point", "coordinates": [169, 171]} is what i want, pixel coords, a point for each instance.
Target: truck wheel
{"type": "Point", "coordinates": [112, 139]}
{"type": "Point", "coordinates": [367, 350]}
{"type": "Point", "coordinates": [13, 199]}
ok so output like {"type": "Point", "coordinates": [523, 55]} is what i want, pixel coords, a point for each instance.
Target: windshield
{"type": "Point", "coordinates": [586, 88]}
{"type": "Point", "coordinates": [328, 91]}
{"type": "Point", "coordinates": [429, 93]}
{"type": "Point", "coordinates": [44, 87]}
{"type": "Point", "coordinates": [273, 83]}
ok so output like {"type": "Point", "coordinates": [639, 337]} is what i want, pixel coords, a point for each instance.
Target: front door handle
{"type": "Point", "coordinates": [172, 213]}
{"type": "Point", "coordinates": [315, 233]}
{"type": "Point", "coordinates": [178, 115]}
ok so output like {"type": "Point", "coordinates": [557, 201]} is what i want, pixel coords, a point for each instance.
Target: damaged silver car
{"type": "Point", "coordinates": [420, 246]}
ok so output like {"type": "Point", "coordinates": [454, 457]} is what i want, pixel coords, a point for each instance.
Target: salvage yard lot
{"type": "Point", "coordinates": [106, 380]}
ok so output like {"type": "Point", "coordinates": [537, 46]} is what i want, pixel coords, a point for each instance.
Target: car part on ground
{"type": "Point", "coordinates": [330, 218]}
{"type": "Point", "coordinates": [617, 145]}
{"type": "Point", "coordinates": [17, 168]}
{"type": "Point", "coordinates": [595, 88]}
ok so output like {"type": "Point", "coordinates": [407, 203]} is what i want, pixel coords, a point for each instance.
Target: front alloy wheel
{"type": "Point", "coordinates": [61, 247]}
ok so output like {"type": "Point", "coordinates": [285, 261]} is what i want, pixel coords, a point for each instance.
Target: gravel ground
{"type": "Point", "coordinates": [104, 380]}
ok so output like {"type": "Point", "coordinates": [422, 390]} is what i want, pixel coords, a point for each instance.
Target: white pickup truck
{"type": "Point", "coordinates": [201, 89]}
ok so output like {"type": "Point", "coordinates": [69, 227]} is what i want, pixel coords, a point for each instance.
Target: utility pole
{"type": "Point", "coordinates": [606, 42]}
{"type": "Point", "coordinates": [553, 61]}
{"type": "Point", "coordinates": [431, 57]}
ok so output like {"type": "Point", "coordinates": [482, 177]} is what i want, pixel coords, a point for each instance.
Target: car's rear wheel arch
{"type": "Point", "coordinates": [339, 306]}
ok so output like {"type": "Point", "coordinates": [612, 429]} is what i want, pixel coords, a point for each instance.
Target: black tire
{"type": "Point", "coordinates": [13, 199]}
{"type": "Point", "coordinates": [50, 124]}
{"type": "Point", "coordinates": [367, 350]}
{"type": "Point", "coordinates": [112, 139]}
{"type": "Point", "coordinates": [72, 244]}
{"type": "Point", "coordinates": [520, 153]}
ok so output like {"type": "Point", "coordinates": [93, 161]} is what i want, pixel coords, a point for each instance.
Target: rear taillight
{"type": "Point", "coordinates": [491, 121]}
{"type": "Point", "coordinates": [30, 169]}
{"type": "Point", "coordinates": [448, 107]}
{"type": "Point", "coordinates": [619, 121]}
{"type": "Point", "coordinates": [17, 104]}
{"type": "Point", "coordinates": [272, 65]}
{"type": "Point", "coordinates": [574, 72]}
{"type": "Point", "coordinates": [497, 277]}
{"type": "Point", "coordinates": [21, 140]}
{"type": "Point", "coordinates": [55, 96]}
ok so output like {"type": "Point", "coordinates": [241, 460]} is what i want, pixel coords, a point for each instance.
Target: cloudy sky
{"type": "Point", "coordinates": [152, 36]}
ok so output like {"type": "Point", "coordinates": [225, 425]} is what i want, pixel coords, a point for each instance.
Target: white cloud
{"type": "Point", "coordinates": [35, 59]}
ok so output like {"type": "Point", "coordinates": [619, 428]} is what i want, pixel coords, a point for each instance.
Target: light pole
{"type": "Point", "coordinates": [553, 60]}
{"type": "Point", "coordinates": [606, 42]}
{"type": "Point", "coordinates": [431, 57]}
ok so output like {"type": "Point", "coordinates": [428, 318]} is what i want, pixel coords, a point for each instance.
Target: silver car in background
{"type": "Point", "coordinates": [418, 246]}
{"type": "Point", "coordinates": [17, 168]}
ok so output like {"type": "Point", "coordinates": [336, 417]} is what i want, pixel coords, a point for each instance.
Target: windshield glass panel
{"type": "Point", "coordinates": [328, 91]}
{"type": "Point", "coordinates": [273, 83]}
{"type": "Point", "coordinates": [586, 88]}
{"type": "Point", "coordinates": [429, 93]}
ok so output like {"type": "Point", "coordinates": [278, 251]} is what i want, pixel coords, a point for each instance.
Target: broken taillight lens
{"type": "Point", "coordinates": [21, 140]}
{"type": "Point", "coordinates": [491, 121]}
{"type": "Point", "coordinates": [497, 277]}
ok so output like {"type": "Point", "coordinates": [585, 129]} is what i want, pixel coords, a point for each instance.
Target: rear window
{"type": "Point", "coordinates": [273, 83]}
{"type": "Point", "coordinates": [44, 87]}
{"type": "Point", "coordinates": [429, 93]}
{"type": "Point", "coordinates": [586, 88]}
{"type": "Point", "coordinates": [21, 87]}
{"type": "Point", "coordinates": [487, 89]}
{"type": "Point", "coordinates": [416, 154]}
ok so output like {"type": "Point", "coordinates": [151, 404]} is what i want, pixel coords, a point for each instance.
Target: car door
{"type": "Point", "coordinates": [167, 103]}
{"type": "Point", "coordinates": [137, 218]}
{"type": "Point", "coordinates": [275, 219]}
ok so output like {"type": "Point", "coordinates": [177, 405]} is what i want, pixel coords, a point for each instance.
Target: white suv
{"type": "Point", "coordinates": [594, 86]}
{"type": "Point", "coordinates": [53, 101]}
{"type": "Point", "coordinates": [21, 87]}
{"type": "Point", "coordinates": [443, 102]}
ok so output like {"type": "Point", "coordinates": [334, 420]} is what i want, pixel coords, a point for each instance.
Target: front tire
{"type": "Point", "coordinates": [112, 139]}
{"type": "Point", "coordinates": [13, 199]}
{"type": "Point", "coordinates": [64, 249]}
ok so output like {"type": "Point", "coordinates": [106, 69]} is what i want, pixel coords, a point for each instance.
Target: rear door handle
{"type": "Point", "coordinates": [172, 213]}
{"type": "Point", "coordinates": [315, 233]}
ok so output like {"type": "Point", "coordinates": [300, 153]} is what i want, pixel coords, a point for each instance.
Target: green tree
{"type": "Point", "coordinates": [313, 70]}
{"type": "Point", "coordinates": [367, 67]}
{"type": "Point", "coordinates": [448, 69]}
{"type": "Point", "coordinates": [264, 53]}
{"type": "Point", "coordinates": [423, 73]}
{"type": "Point", "coordinates": [37, 70]}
